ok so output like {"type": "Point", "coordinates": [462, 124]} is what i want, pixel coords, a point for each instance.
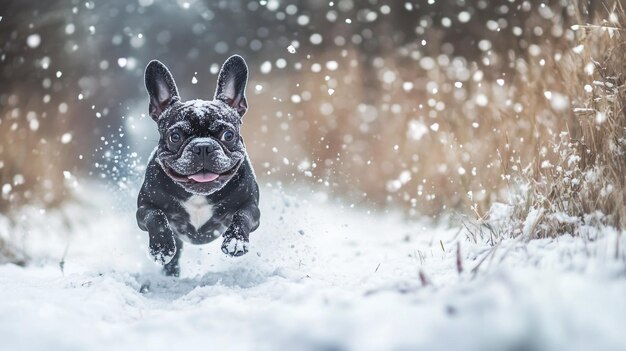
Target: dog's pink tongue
{"type": "Point", "coordinates": [204, 177]}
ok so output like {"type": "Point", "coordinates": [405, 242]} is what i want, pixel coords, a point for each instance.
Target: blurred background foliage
{"type": "Point", "coordinates": [427, 106]}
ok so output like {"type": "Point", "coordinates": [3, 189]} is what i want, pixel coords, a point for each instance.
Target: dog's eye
{"type": "Point", "coordinates": [175, 137]}
{"type": "Point", "coordinates": [228, 136]}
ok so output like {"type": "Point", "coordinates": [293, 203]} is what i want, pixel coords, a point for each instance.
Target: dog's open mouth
{"type": "Point", "coordinates": [202, 176]}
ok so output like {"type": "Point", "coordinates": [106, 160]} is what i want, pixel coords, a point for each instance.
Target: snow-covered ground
{"type": "Point", "coordinates": [319, 276]}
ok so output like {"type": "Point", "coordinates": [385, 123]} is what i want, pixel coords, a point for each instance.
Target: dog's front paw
{"type": "Point", "coordinates": [235, 246]}
{"type": "Point", "coordinates": [163, 251]}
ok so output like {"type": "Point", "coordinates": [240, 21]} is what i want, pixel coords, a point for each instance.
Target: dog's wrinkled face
{"type": "Point", "coordinates": [200, 147]}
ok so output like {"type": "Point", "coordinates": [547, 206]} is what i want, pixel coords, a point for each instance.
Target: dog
{"type": "Point", "coordinates": [199, 183]}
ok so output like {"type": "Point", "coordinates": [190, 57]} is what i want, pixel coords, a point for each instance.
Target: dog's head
{"type": "Point", "coordinates": [200, 147]}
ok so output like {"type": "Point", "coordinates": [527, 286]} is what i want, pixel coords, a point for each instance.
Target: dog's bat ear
{"type": "Point", "coordinates": [161, 88]}
{"type": "Point", "coordinates": [231, 84]}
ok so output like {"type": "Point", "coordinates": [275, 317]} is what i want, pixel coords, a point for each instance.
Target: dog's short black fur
{"type": "Point", "coordinates": [199, 182]}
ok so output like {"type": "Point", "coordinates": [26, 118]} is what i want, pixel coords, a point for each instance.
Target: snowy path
{"type": "Point", "coordinates": [318, 277]}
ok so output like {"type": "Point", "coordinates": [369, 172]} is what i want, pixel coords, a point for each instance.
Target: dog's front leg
{"type": "Point", "coordinates": [163, 246]}
{"type": "Point", "coordinates": [236, 237]}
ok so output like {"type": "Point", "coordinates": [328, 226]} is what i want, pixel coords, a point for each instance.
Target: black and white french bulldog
{"type": "Point", "coordinates": [199, 182]}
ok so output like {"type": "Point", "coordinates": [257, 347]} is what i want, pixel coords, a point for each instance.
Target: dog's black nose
{"type": "Point", "coordinates": [203, 149]}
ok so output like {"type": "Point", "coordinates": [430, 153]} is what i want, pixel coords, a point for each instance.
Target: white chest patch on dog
{"type": "Point", "coordinates": [199, 210]}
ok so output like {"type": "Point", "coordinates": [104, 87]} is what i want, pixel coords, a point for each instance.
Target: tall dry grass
{"type": "Point", "coordinates": [574, 179]}
{"type": "Point", "coordinates": [585, 185]}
